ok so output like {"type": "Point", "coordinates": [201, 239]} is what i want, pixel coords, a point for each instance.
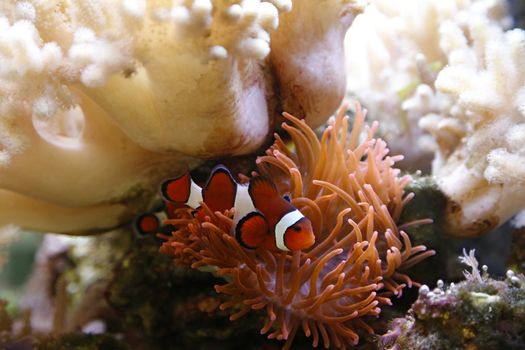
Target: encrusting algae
{"type": "Point", "coordinates": [479, 313]}
{"type": "Point", "coordinates": [353, 196]}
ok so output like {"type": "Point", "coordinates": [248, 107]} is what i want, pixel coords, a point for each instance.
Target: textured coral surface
{"type": "Point", "coordinates": [447, 77]}
{"type": "Point", "coordinates": [100, 100]}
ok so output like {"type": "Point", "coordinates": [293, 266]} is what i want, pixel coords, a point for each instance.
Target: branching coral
{"type": "Point", "coordinates": [99, 100]}
{"type": "Point", "coordinates": [460, 77]}
{"type": "Point", "coordinates": [480, 162]}
{"type": "Point", "coordinates": [353, 196]}
{"type": "Point", "coordinates": [396, 55]}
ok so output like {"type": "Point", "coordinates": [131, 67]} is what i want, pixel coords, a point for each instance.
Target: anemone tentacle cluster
{"type": "Point", "coordinates": [353, 196]}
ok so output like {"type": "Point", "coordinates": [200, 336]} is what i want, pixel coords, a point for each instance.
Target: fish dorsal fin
{"type": "Point", "coordinates": [220, 190]}
{"type": "Point", "coordinates": [267, 200]}
{"type": "Point", "coordinates": [176, 189]}
{"type": "Point", "coordinates": [145, 224]}
{"type": "Point", "coordinates": [260, 189]}
{"type": "Point", "coordinates": [252, 230]}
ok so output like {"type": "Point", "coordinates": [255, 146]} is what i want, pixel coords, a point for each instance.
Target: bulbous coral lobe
{"type": "Point", "coordinates": [298, 59]}
{"type": "Point", "coordinates": [175, 83]}
{"type": "Point", "coordinates": [457, 225]}
{"type": "Point", "coordinates": [353, 197]}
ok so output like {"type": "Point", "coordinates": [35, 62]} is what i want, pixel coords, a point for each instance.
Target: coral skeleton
{"type": "Point", "coordinates": [109, 97]}
{"type": "Point", "coordinates": [347, 186]}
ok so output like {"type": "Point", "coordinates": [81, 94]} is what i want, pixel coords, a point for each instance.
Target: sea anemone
{"type": "Point", "coordinates": [353, 196]}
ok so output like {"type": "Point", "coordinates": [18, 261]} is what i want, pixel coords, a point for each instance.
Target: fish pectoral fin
{"type": "Point", "coordinates": [176, 189]}
{"type": "Point", "coordinates": [252, 230]}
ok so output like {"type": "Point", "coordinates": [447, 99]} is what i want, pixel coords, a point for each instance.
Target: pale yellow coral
{"type": "Point", "coordinates": [101, 99]}
{"type": "Point", "coordinates": [396, 53]}
{"type": "Point", "coordinates": [482, 169]}
{"type": "Point", "coordinates": [450, 69]}
{"type": "Point", "coordinates": [8, 234]}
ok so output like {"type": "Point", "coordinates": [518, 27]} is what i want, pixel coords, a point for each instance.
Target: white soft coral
{"type": "Point", "coordinates": [449, 68]}
{"type": "Point", "coordinates": [483, 171]}
{"type": "Point", "coordinates": [394, 56]}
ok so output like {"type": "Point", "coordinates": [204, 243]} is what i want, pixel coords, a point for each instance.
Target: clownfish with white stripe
{"type": "Point", "coordinates": [145, 225]}
{"type": "Point", "coordinates": [262, 217]}
{"type": "Point", "coordinates": [149, 224]}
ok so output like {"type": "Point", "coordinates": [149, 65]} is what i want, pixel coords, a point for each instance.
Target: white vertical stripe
{"type": "Point", "coordinates": [280, 229]}
{"type": "Point", "coordinates": [195, 195]}
{"type": "Point", "coordinates": [243, 203]}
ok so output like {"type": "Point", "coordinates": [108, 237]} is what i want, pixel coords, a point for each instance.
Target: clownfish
{"type": "Point", "coordinates": [149, 224]}
{"type": "Point", "coordinates": [262, 218]}
{"type": "Point", "coordinates": [145, 225]}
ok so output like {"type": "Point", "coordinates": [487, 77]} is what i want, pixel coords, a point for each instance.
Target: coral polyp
{"type": "Point", "coordinates": [353, 196]}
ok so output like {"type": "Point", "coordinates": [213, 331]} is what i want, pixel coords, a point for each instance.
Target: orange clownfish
{"type": "Point", "coordinates": [145, 225]}
{"type": "Point", "coordinates": [262, 217]}
{"type": "Point", "coordinates": [149, 225]}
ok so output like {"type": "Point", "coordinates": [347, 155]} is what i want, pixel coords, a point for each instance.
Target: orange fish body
{"type": "Point", "coordinates": [262, 217]}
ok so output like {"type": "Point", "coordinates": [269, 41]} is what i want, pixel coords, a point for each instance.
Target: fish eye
{"type": "Point", "coordinates": [297, 228]}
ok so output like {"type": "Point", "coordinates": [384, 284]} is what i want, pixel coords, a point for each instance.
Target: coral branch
{"type": "Point", "coordinates": [298, 59]}
{"type": "Point", "coordinates": [457, 74]}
